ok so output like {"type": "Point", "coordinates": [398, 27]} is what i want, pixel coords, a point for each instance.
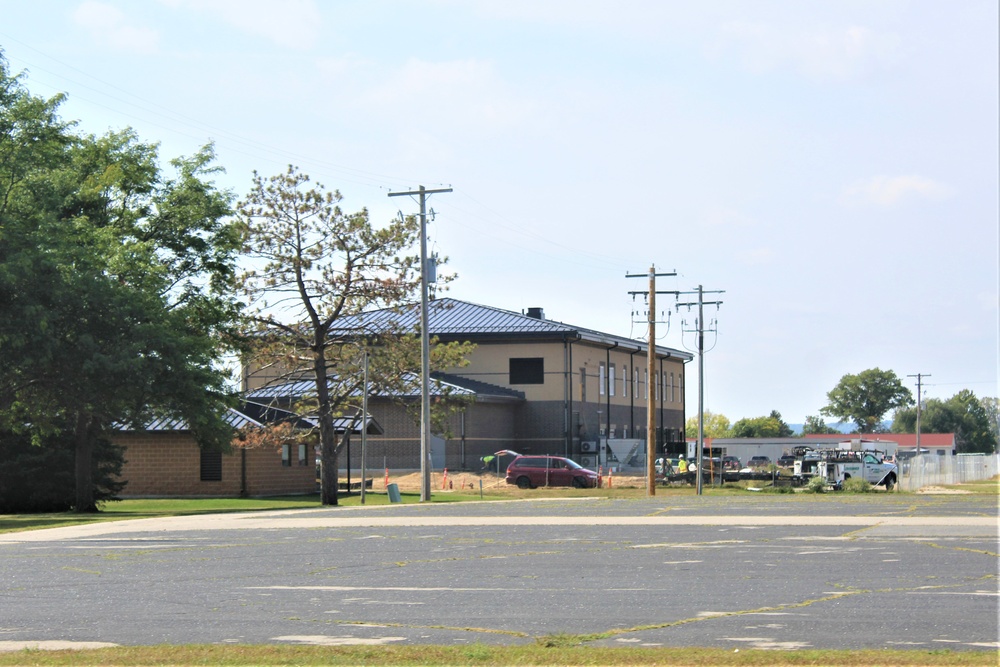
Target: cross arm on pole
{"type": "Point", "coordinates": [420, 191]}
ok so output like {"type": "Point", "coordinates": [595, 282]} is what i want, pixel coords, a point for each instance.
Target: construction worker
{"type": "Point", "coordinates": [682, 465]}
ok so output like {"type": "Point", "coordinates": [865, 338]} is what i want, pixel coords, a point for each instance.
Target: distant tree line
{"type": "Point", "coordinates": [864, 399]}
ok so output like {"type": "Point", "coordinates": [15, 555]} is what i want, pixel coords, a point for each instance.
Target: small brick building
{"type": "Point", "coordinates": [163, 460]}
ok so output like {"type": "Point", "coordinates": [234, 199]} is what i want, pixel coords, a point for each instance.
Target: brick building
{"type": "Point", "coordinates": [163, 460]}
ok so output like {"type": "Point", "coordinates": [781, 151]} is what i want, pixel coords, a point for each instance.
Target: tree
{"type": "Point", "coordinates": [814, 424]}
{"type": "Point", "coordinates": [866, 397]}
{"type": "Point", "coordinates": [113, 284]}
{"type": "Point", "coordinates": [39, 477]}
{"type": "Point", "coordinates": [962, 414]}
{"type": "Point", "coordinates": [991, 406]}
{"type": "Point", "coordinates": [715, 426]}
{"type": "Point", "coordinates": [772, 426]}
{"type": "Point", "coordinates": [318, 271]}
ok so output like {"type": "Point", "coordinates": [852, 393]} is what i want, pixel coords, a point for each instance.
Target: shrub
{"type": "Point", "coordinates": [816, 484]}
{"type": "Point", "coordinates": [857, 485]}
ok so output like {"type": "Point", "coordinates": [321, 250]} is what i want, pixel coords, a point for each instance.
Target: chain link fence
{"type": "Point", "coordinates": [934, 470]}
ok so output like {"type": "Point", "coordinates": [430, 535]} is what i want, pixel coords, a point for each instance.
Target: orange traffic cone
{"type": "Point", "coordinates": [600, 476]}
{"type": "Point", "coordinates": [444, 480]}
{"type": "Point", "coordinates": [611, 476]}
{"type": "Point", "coordinates": [386, 482]}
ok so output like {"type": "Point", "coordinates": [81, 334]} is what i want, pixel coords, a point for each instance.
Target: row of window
{"type": "Point", "coordinates": [532, 371]}
{"type": "Point", "coordinates": [667, 383]}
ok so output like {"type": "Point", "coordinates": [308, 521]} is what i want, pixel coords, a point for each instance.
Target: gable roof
{"type": "Point", "coordinates": [452, 319]}
{"type": "Point", "coordinates": [440, 385]}
{"type": "Point", "coordinates": [254, 415]}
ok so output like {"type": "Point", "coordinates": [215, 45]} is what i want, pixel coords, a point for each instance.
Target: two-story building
{"type": "Point", "coordinates": [535, 386]}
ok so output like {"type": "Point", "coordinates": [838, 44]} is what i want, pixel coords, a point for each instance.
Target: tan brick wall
{"type": "Point", "coordinates": [169, 465]}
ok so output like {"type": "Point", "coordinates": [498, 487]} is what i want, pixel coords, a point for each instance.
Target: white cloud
{"type": "Point", "coordinates": [109, 25]}
{"type": "Point", "coordinates": [830, 54]}
{"type": "Point", "coordinates": [756, 256]}
{"type": "Point", "coordinates": [889, 190]}
{"type": "Point", "coordinates": [458, 93]}
{"type": "Point", "coordinates": [721, 216]}
{"type": "Point", "coordinates": [290, 23]}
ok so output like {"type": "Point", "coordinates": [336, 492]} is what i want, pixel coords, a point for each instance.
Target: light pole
{"type": "Point", "coordinates": [425, 346]}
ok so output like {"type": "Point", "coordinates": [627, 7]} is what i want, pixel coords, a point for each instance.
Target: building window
{"type": "Point", "coordinates": [601, 375]}
{"type": "Point", "coordinates": [671, 387]}
{"type": "Point", "coordinates": [635, 382]}
{"type": "Point", "coordinates": [656, 385]}
{"type": "Point", "coordinates": [527, 371]}
{"type": "Point", "coordinates": [303, 455]}
{"type": "Point", "coordinates": [211, 466]}
{"type": "Point", "coordinates": [611, 379]}
{"type": "Point", "coordinates": [583, 385]}
{"type": "Point", "coordinates": [286, 455]}
{"type": "Point", "coordinates": [625, 381]}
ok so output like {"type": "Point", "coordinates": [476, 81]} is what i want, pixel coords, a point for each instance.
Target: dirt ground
{"type": "Point", "coordinates": [410, 482]}
{"type": "Point", "coordinates": [457, 481]}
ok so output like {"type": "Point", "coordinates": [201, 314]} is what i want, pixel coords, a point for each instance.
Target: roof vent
{"type": "Point", "coordinates": [537, 313]}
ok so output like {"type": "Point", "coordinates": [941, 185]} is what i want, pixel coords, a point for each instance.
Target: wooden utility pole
{"type": "Point", "coordinates": [650, 375]}
{"type": "Point", "coordinates": [920, 377]}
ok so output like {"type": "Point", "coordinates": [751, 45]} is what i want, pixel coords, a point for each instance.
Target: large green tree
{"type": "Point", "coordinates": [771, 426]}
{"type": "Point", "coordinates": [316, 272]}
{"type": "Point", "coordinates": [816, 425]}
{"type": "Point", "coordinates": [715, 426]}
{"type": "Point", "coordinates": [113, 283]}
{"type": "Point", "coordinates": [963, 414]}
{"type": "Point", "coordinates": [865, 398]}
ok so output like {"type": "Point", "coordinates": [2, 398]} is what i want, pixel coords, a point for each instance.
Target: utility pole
{"type": "Point", "coordinates": [700, 328]}
{"type": "Point", "coordinates": [920, 377]}
{"type": "Point", "coordinates": [425, 346]}
{"type": "Point", "coordinates": [650, 370]}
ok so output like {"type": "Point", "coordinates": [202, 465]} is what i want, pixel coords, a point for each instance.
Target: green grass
{"type": "Point", "coordinates": [140, 508]}
{"type": "Point", "coordinates": [990, 487]}
{"type": "Point", "coordinates": [539, 653]}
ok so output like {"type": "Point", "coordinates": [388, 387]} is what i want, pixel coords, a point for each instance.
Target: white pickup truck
{"type": "Point", "coordinates": [840, 465]}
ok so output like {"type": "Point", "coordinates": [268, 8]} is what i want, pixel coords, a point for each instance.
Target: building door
{"type": "Point", "coordinates": [438, 460]}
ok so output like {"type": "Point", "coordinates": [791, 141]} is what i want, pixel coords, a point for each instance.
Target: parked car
{"type": "Point", "coordinates": [757, 462]}
{"type": "Point", "coordinates": [731, 463]}
{"type": "Point", "coordinates": [529, 472]}
{"type": "Point", "coordinates": [786, 461]}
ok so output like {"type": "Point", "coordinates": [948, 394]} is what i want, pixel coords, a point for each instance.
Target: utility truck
{"type": "Point", "coordinates": [839, 465]}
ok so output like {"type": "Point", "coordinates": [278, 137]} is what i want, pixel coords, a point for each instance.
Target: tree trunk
{"type": "Point", "coordinates": [327, 437]}
{"type": "Point", "coordinates": [331, 477]}
{"type": "Point", "coordinates": [84, 464]}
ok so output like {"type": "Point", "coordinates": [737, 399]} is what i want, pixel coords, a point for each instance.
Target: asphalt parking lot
{"type": "Point", "coordinates": [880, 571]}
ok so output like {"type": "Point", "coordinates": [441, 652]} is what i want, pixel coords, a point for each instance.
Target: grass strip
{"type": "Point", "coordinates": [486, 656]}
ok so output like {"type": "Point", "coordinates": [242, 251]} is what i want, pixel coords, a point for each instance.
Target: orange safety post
{"type": "Point", "coordinates": [444, 480]}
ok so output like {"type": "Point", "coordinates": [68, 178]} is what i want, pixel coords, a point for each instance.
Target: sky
{"type": "Point", "coordinates": [828, 170]}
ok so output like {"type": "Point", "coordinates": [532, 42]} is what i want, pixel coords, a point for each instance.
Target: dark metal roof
{"type": "Point", "coordinates": [451, 319]}
{"type": "Point", "coordinates": [481, 389]}
{"type": "Point", "coordinates": [234, 418]}
{"type": "Point", "coordinates": [295, 389]}
{"type": "Point", "coordinates": [265, 414]}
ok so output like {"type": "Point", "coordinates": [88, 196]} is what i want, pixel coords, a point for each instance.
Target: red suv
{"type": "Point", "coordinates": [531, 471]}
